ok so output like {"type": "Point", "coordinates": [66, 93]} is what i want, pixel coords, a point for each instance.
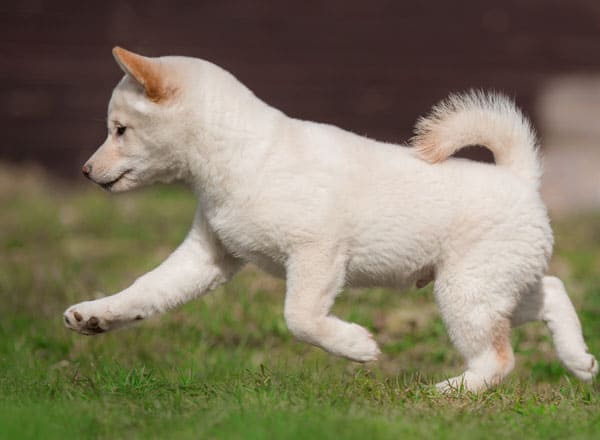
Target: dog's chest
{"type": "Point", "coordinates": [250, 240]}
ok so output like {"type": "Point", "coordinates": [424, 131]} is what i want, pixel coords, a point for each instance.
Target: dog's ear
{"type": "Point", "coordinates": [149, 72]}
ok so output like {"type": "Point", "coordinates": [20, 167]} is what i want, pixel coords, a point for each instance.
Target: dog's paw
{"type": "Point", "coordinates": [452, 385]}
{"type": "Point", "coordinates": [448, 386]}
{"type": "Point", "coordinates": [86, 318]}
{"type": "Point", "coordinates": [585, 367]}
{"type": "Point", "coordinates": [466, 382]}
{"type": "Point", "coordinates": [358, 344]}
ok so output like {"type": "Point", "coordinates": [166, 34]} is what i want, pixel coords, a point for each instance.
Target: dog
{"type": "Point", "coordinates": [326, 208]}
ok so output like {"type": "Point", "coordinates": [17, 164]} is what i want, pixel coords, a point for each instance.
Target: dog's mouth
{"type": "Point", "coordinates": [108, 185]}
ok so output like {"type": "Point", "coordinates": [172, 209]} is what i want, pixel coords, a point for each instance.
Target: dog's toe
{"type": "Point", "coordinates": [76, 320]}
{"type": "Point", "coordinates": [360, 345]}
{"type": "Point", "coordinates": [585, 368]}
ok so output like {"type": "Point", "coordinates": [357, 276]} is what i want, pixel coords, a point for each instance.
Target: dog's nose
{"type": "Point", "coordinates": [86, 170]}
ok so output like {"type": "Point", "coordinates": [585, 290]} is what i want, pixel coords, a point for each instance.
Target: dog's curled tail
{"type": "Point", "coordinates": [489, 120]}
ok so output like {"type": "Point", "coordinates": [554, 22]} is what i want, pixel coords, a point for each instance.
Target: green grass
{"type": "Point", "coordinates": [226, 366]}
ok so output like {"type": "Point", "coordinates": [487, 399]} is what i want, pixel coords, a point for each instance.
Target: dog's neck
{"type": "Point", "coordinates": [231, 133]}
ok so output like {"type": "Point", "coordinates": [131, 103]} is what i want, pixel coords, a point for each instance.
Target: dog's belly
{"type": "Point", "coordinates": [370, 262]}
{"type": "Point", "coordinates": [266, 263]}
{"type": "Point", "coordinates": [392, 278]}
{"type": "Point", "coordinates": [395, 277]}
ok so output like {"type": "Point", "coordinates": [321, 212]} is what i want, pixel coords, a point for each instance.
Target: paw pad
{"type": "Point", "coordinates": [93, 325]}
{"type": "Point", "coordinates": [75, 320]}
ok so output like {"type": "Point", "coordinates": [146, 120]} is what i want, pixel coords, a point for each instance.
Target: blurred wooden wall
{"type": "Point", "coordinates": [371, 67]}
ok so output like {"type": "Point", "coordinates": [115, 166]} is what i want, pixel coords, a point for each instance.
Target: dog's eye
{"type": "Point", "coordinates": [121, 130]}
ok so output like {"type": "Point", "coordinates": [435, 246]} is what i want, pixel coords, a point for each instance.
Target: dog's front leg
{"type": "Point", "coordinates": [196, 267]}
{"type": "Point", "coordinates": [314, 278]}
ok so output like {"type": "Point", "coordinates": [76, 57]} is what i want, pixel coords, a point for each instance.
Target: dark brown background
{"type": "Point", "coordinates": [371, 67]}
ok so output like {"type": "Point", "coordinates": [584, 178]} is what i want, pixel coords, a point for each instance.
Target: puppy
{"type": "Point", "coordinates": [326, 208]}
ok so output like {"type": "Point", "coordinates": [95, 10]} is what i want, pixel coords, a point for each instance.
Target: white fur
{"type": "Point", "coordinates": [480, 118]}
{"type": "Point", "coordinates": [327, 208]}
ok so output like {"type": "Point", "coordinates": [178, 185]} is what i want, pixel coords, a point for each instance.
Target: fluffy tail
{"type": "Point", "coordinates": [490, 120]}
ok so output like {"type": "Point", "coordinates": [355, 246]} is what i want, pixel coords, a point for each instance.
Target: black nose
{"type": "Point", "coordinates": [86, 170]}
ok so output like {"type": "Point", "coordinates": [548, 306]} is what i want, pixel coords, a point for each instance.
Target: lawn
{"type": "Point", "coordinates": [226, 366]}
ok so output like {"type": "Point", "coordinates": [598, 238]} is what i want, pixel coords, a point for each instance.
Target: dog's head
{"type": "Point", "coordinates": [143, 131]}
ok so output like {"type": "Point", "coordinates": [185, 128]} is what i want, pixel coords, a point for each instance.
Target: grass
{"type": "Point", "coordinates": [226, 366]}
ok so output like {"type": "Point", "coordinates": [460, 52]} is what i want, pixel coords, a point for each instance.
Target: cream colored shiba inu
{"type": "Point", "coordinates": [326, 208]}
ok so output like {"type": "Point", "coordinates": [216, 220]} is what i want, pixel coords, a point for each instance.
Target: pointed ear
{"type": "Point", "coordinates": [149, 72]}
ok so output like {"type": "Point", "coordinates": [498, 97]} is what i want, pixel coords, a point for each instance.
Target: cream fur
{"type": "Point", "coordinates": [326, 208]}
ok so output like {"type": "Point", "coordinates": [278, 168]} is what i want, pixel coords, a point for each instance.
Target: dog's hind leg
{"type": "Point", "coordinates": [314, 278]}
{"type": "Point", "coordinates": [476, 315]}
{"type": "Point", "coordinates": [549, 302]}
